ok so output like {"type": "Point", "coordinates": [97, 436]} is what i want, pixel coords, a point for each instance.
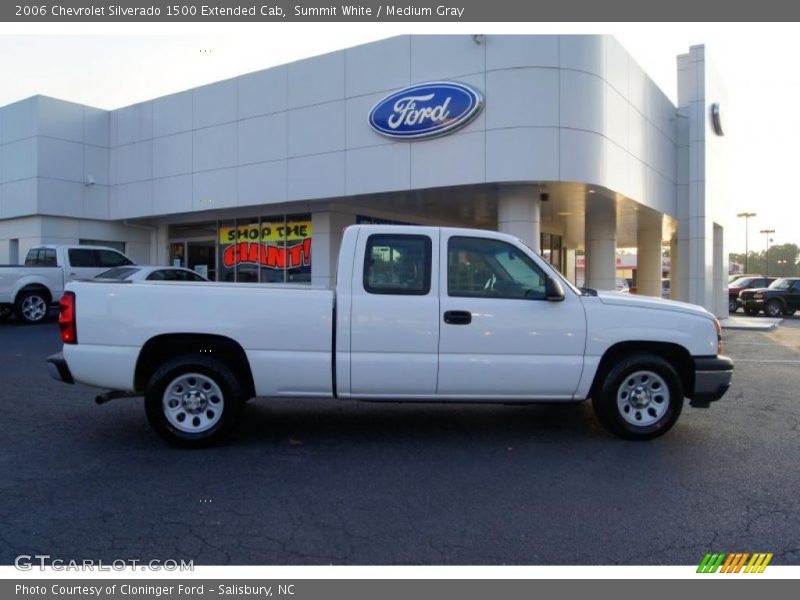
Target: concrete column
{"type": "Point", "coordinates": [601, 242]}
{"type": "Point", "coordinates": [519, 213]}
{"type": "Point", "coordinates": [648, 252]}
{"type": "Point", "coordinates": [161, 243]}
{"type": "Point", "coordinates": [326, 239]}
{"type": "Point", "coordinates": [674, 258]}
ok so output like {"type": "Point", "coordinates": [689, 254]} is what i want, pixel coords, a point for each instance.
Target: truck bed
{"type": "Point", "coordinates": [286, 331]}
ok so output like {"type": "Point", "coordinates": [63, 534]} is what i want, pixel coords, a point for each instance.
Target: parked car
{"type": "Point", "coordinates": [782, 297]}
{"type": "Point", "coordinates": [417, 314]}
{"type": "Point", "coordinates": [745, 283]}
{"type": "Point", "coordinates": [734, 277]}
{"type": "Point", "coordinates": [30, 289]}
{"type": "Point", "coordinates": [150, 273]}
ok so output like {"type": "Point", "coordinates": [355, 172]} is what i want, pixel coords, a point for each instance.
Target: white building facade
{"type": "Point", "coordinates": [573, 148]}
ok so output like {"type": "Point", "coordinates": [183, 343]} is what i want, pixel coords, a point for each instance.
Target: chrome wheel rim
{"type": "Point", "coordinates": [643, 398]}
{"type": "Point", "coordinates": [774, 310]}
{"type": "Point", "coordinates": [193, 403]}
{"type": "Point", "coordinates": [34, 308]}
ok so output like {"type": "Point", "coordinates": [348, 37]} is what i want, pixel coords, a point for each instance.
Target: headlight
{"type": "Point", "coordinates": [720, 346]}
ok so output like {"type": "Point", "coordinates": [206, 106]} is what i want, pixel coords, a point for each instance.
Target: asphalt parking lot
{"type": "Point", "coordinates": [327, 482]}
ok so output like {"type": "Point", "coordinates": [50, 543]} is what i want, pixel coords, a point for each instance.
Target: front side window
{"type": "Point", "coordinates": [398, 264]}
{"type": "Point", "coordinates": [109, 258]}
{"type": "Point", "coordinates": [81, 258]}
{"type": "Point", "coordinates": [484, 268]}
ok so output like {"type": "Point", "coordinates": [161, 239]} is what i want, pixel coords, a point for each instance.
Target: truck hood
{"type": "Point", "coordinates": [634, 300]}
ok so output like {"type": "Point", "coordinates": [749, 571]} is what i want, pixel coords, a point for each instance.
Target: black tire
{"type": "Point", "coordinates": [229, 405]}
{"type": "Point", "coordinates": [6, 310]}
{"type": "Point", "coordinates": [617, 379]}
{"type": "Point", "coordinates": [32, 307]}
{"type": "Point", "coordinates": [732, 306]}
{"type": "Point", "coordinates": [773, 308]}
{"type": "Point", "coordinates": [751, 312]}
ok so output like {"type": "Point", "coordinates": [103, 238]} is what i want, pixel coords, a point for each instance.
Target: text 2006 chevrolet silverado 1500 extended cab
{"type": "Point", "coordinates": [417, 314]}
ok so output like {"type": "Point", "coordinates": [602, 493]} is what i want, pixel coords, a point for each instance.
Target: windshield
{"type": "Point", "coordinates": [563, 279]}
{"type": "Point", "coordinates": [117, 273]}
{"type": "Point", "coordinates": [781, 284]}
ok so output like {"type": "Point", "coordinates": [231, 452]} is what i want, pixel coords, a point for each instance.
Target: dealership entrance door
{"type": "Point", "coordinates": [198, 255]}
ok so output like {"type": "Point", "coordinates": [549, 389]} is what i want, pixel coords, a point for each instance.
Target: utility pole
{"type": "Point", "coordinates": [746, 216]}
{"type": "Point", "coordinates": [767, 232]}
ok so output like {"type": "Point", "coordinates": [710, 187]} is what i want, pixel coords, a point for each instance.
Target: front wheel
{"type": "Point", "coordinates": [194, 401]}
{"type": "Point", "coordinates": [639, 398]}
{"type": "Point", "coordinates": [774, 308]}
{"type": "Point", "coordinates": [732, 306]}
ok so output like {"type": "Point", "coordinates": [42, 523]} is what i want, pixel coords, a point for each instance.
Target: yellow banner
{"type": "Point", "coordinates": [266, 232]}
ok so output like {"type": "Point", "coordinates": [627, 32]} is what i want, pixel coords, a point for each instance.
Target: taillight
{"type": "Point", "coordinates": [66, 318]}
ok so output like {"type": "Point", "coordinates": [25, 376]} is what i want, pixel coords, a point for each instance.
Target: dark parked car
{"type": "Point", "coordinates": [745, 283]}
{"type": "Point", "coordinates": [782, 297]}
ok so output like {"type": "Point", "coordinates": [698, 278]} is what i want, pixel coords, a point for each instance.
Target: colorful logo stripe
{"type": "Point", "coordinates": [735, 562]}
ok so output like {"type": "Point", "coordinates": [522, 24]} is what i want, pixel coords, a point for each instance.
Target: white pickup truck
{"type": "Point", "coordinates": [418, 314]}
{"type": "Point", "coordinates": [30, 289]}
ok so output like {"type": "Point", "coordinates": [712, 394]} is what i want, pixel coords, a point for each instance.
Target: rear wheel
{"type": "Point", "coordinates": [639, 398]}
{"type": "Point", "coordinates": [774, 308]}
{"type": "Point", "coordinates": [732, 306]}
{"type": "Point", "coordinates": [194, 401]}
{"type": "Point", "coordinates": [31, 307]}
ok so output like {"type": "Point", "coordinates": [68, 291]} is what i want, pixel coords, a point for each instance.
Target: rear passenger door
{"type": "Point", "coordinates": [394, 331]}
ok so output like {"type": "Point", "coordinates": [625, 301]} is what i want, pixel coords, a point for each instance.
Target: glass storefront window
{"type": "Point", "coordinates": [551, 249]}
{"type": "Point", "coordinates": [266, 250]}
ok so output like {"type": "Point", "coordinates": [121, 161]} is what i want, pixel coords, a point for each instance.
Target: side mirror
{"type": "Point", "coordinates": [553, 292]}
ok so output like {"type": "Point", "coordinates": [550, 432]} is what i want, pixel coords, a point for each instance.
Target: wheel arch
{"type": "Point", "coordinates": [35, 287]}
{"type": "Point", "coordinates": [161, 348]}
{"type": "Point", "coordinates": [678, 356]}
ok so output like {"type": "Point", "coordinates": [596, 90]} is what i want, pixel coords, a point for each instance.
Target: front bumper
{"type": "Point", "coordinates": [58, 368]}
{"type": "Point", "coordinates": [712, 378]}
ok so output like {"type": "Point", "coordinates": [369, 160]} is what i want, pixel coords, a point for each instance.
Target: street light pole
{"type": "Point", "coordinates": [767, 232]}
{"type": "Point", "coordinates": [746, 216]}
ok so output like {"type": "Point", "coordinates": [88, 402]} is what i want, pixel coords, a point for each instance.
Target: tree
{"type": "Point", "coordinates": [757, 261]}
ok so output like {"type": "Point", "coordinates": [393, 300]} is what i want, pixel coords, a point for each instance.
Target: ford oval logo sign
{"type": "Point", "coordinates": [426, 110]}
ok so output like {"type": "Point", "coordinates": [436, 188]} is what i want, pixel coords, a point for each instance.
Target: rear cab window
{"type": "Point", "coordinates": [398, 264]}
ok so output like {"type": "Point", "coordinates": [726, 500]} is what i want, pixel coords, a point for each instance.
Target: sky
{"type": "Point", "coordinates": [113, 65]}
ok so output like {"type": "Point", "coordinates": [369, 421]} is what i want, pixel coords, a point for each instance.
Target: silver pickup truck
{"type": "Point", "coordinates": [28, 290]}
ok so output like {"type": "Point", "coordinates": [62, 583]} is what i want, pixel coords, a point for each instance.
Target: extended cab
{"type": "Point", "coordinates": [30, 289]}
{"type": "Point", "coordinates": [417, 314]}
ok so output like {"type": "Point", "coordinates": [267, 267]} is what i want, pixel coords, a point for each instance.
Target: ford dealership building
{"type": "Point", "coordinates": [562, 141]}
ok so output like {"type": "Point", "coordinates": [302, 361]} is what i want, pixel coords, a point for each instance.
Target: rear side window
{"type": "Point", "coordinates": [398, 264]}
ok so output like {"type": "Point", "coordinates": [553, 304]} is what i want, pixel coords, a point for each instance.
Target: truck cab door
{"type": "Point", "coordinates": [394, 318]}
{"type": "Point", "coordinates": [500, 337]}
